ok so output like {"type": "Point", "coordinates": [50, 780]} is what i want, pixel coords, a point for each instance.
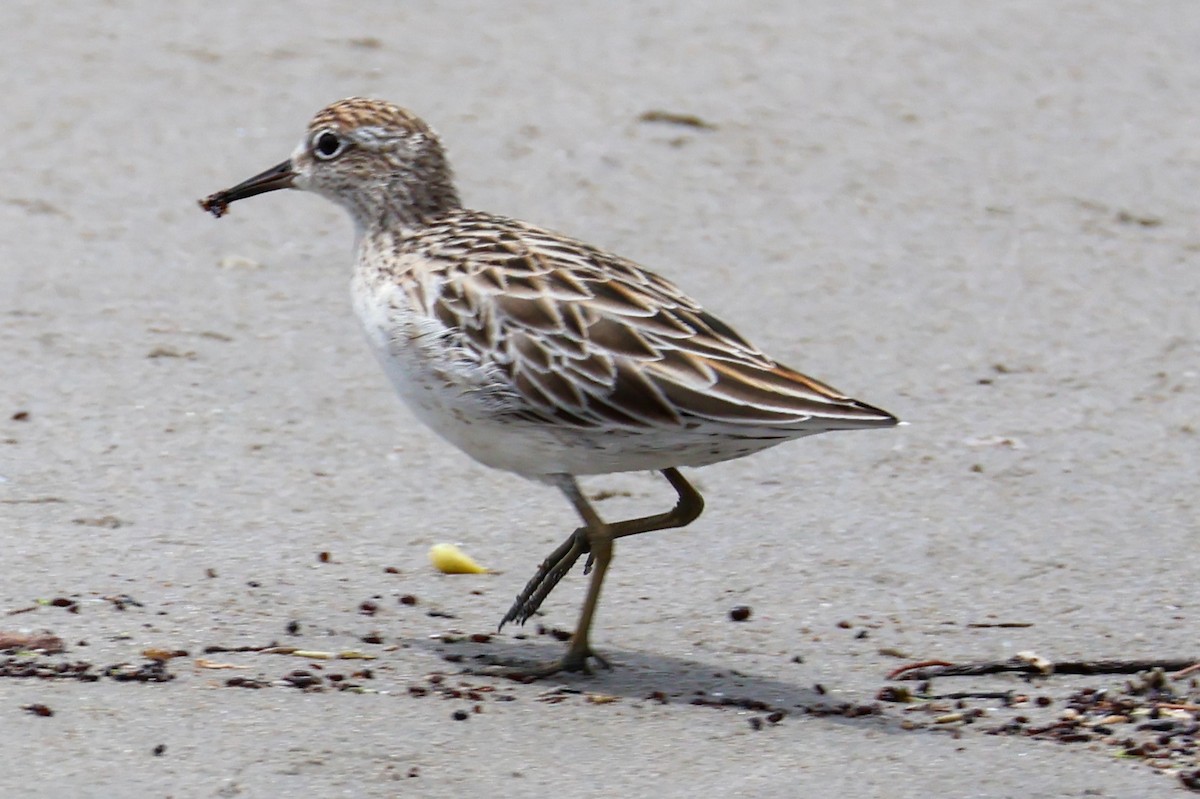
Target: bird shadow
{"type": "Point", "coordinates": [658, 678]}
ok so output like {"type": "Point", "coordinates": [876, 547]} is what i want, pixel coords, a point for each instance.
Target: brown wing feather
{"type": "Point", "coordinates": [589, 339]}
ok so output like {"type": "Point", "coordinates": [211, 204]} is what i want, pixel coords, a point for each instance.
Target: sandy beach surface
{"type": "Point", "coordinates": [982, 217]}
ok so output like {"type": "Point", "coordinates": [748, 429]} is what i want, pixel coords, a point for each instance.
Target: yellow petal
{"type": "Point", "coordinates": [449, 559]}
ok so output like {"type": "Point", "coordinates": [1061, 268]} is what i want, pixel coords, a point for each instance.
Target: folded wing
{"type": "Point", "coordinates": [584, 338]}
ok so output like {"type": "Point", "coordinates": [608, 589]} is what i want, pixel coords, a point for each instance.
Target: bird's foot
{"type": "Point", "coordinates": [548, 575]}
{"type": "Point", "coordinates": [575, 659]}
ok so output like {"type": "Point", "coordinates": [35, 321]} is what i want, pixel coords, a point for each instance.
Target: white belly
{"type": "Point", "coordinates": [444, 388]}
{"type": "Point", "coordinates": [457, 397]}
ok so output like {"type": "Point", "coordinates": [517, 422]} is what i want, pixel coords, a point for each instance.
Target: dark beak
{"type": "Point", "coordinates": [277, 177]}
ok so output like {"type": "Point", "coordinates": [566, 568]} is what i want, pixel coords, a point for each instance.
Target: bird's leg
{"type": "Point", "coordinates": [688, 506]}
{"type": "Point", "coordinates": [599, 540]}
{"type": "Point", "coordinates": [600, 544]}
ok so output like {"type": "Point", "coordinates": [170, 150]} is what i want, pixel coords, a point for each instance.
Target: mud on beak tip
{"type": "Point", "coordinates": [277, 177]}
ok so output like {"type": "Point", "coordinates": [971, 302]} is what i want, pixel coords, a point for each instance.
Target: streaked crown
{"type": "Point", "coordinates": [360, 112]}
{"type": "Point", "coordinates": [379, 161]}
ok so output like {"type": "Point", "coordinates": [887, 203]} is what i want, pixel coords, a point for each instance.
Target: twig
{"type": "Point", "coordinates": [215, 649]}
{"type": "Point", "coordinates": [927, 670]}
{"type": "Point", "coordinates": [1190, 708]}
{"type": "Point", "coordinates": [895, 673]}
{"type": "Point", "coordinates": [1192, 669]}
{"type": "Point", "coordinates": [1006, 696]}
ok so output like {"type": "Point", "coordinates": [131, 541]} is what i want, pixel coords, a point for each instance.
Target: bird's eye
{"type": "Point", "coordinates": [327, 145]}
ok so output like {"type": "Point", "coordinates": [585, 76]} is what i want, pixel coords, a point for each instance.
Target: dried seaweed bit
{"type": "Point", "coordinates": [35, 642]}
{"type": "Point", "coordinates": [217, 649]}
{"type": "Point", "coordinates": [205, 663]}
{"type": "Point", "coordinates": [1144, 220]}
{"type": "Point", "coordinates": [656, 115]}
{"type": "Point", "coordinates": [556, 633]}
{"type": "Point", "coordinates": [844, 709]}
{"type": "Point", "coordinates": [108, 522]}
{"type": "Point", "coordinates": [152, 671]}
{"type": "Point", "coordinates": [215, 204]}
{"type": "Point", "coordinates": [163, 352]}
{"type": "Point", "coordinates": [122, 601]}
{"type": "Point", "coordinates": [601, 699]}
{"type": "Point", "coordinates": [1149, 717]}
{"type": "Point", "coordinates": [1150, 683]}
{"type": "Point", "coordinates": [744, 703]}
{"type": "Point", "coordinates": [22, 667]}
{"type": "Point", "coordinates": [892, 693]}
{"type": "Point", "coordinates": [304, 680]}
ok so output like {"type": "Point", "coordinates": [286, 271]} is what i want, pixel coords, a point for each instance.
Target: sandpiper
{"type": "Point", "coordinates": [536, 353]}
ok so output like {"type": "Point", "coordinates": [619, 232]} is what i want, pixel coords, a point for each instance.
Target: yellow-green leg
{"type": "Point", "coordinates": [687, 508]}
{"type": "Point", "coordinates": [596, 538]}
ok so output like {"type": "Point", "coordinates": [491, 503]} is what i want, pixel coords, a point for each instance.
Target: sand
{"type": "Point", "coordinates": [980, 218]}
